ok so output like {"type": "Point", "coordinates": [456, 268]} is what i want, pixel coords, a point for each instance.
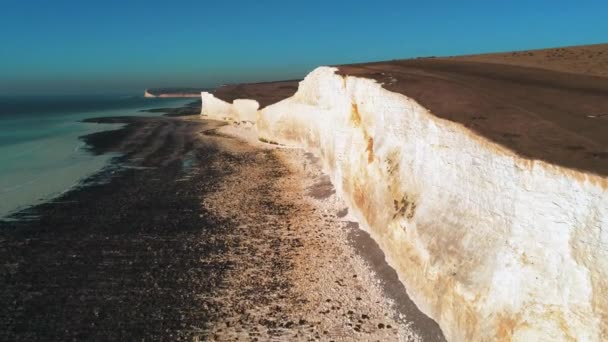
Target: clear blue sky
{"type": "Point", "coordinates": [59, 46]}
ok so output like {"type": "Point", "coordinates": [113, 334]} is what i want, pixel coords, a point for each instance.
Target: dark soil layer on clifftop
{"type": "Point", "coordinates": [192, 235]}
{"type": "Point", "coordinates": [266, 93]}
{"type": "Point", "coordinates": [558, 114]}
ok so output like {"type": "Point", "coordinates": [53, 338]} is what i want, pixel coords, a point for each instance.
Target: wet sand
{"type": "Point", "coordinates": [193, 234]}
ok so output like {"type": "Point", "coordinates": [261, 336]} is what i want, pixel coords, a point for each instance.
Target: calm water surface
{"type": "Point", "coordinates": [41, 155]}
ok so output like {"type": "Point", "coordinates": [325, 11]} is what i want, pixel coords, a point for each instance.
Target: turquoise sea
{"type": "Point", "coordinates": [41, 155]}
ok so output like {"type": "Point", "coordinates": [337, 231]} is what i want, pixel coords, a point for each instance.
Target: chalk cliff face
{"type": "Point", "coordinates": [491, 245]}
{"type": "Point", "coordinates": [238, 110]}
{"type": "Point", "coordinates": [148, 94]}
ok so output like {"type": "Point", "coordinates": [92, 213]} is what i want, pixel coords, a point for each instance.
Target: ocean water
{"type": "Point", "coordinates": [41, 155]}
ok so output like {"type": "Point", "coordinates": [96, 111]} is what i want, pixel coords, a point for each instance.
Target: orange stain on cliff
{"type": "Point", "coordinates": [370, 150]}
{"type": "Point", "coordinates": [505, 328]}
{"type": "Point", "coordinates": [355, 118]}
{"type": "Point", "coordinates": [359, 198]}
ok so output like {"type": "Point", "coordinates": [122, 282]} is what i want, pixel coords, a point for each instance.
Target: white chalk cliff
{"type": "Point", "coordinates": [238, 110]}
{"type": "Point", "coordinates": [491, 245]}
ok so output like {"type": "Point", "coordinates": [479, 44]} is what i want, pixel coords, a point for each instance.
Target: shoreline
{"type": "Point", "coordinates": [37, 166]}
{"type": "Point", "coordinates": [155, 247]}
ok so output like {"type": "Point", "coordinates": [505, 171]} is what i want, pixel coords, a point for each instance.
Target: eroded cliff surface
{"type": "Point", "coordinates": [238, 110]}
{"type": "Point", "coordinates": [490, 244]}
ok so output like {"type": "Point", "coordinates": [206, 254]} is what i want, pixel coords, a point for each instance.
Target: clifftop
{"type": "Point", "coordinates": [548, 113]}
{"type": "Point", "coordinates": [589, 60]}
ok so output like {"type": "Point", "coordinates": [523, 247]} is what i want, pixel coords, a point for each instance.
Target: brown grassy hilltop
{"type": "Point", "coordinates": [586, 59]}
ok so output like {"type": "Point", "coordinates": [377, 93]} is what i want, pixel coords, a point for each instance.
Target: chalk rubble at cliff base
{"type": "Point", "coordinates": [491, 245]}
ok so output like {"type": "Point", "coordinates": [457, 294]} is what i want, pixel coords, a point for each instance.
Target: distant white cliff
{"type": "Point", "coordinates": [238, 110]}
{"type": "Point", "coordinates": [171, 93]}
{"type": "Point", "coordinates": [491, 245]}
